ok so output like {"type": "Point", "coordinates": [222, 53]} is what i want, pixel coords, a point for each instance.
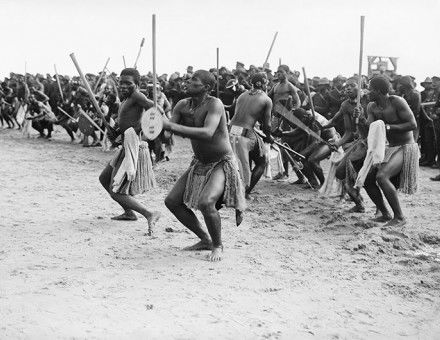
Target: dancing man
{"type": "Point", "coordinates": [213, 177]}
{"type": "Point", "coordinates": [252, 106]}
{"type": "Point", "coordinates": [130, 172]}
{"type": "Point", "coordinates": [401, 162]}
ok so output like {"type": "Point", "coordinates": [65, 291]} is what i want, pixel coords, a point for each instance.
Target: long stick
{"type": "Point", "coordinates": [139, 52]}
{"type": "Point", "coordinates": [123, 59]}
{"type": "Point", "coordinates": [361, 52]}
{"type": "Point", "coordinates": [58, 82]}
{"type": "Point", "coordinates": [90, 93]}
{"type": "Point", "coordinates": [101, 75]}
{"type": "Point", "coordinates": [261, 134]}
{"type": "Point", "coordinates": [309, 96]}
{"type": "Point", "coordinates": [218, 75]}
{"type": "Point", "coordinates": [154, 60]}
{"type": "Point", "coordinates": [270, 49]}
{"type": "Point", "coordinates": [91, 121]}
{"type": "Point", "coordinates": [61, 110]}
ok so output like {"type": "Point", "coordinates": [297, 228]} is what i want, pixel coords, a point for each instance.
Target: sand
{"type": "Point", "coordinates": [298, 267]}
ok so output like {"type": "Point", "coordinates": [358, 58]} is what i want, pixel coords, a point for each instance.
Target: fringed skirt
{"type": "Point", "coordinates": [144, 178]}
{"type": "Point", "coordinates": [409, 175]}
{"type": "Point", "coordinates": [199, 174]}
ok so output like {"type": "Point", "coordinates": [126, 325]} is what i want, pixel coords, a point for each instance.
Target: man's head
{"type": "Point", "coordinates": [323, 85]}
{"type": "Point", "coordinates": [259, 80]}
{"type": "Point", "coordinates": [338, 82]}
{"type": "Point", "coordinates": [351, 87]}
{"type": "Point", "coordinates": [282, 72]}
{"type": "Point", "coordinates": [405, 84]}
{"type": "Point", "coordinates": [427, 84]}
{"type": "Point", "coordinates": [436, 82]}
{"type": "Point", "coordinates": [128, 81]}
{"type": "Point", "coordinates": [379, 86]}
{"type": "Point", "coordinates": [201, 81]}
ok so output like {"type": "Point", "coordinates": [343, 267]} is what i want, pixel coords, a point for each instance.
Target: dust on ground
{"type": "Point", "coordinates": [299, 267]}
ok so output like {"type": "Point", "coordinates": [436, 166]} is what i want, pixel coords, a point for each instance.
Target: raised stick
{"type": "Point", "coordinates": [123, 59]}
{"type": "Point", "coordinates": [61, 110]}
{"type": "Point", "coordinates": [154, 60]}
{"type": "Point", "coordinates": [90, 93]}
{"type": "Point", "coordinates": [361, 52]}
{"type": "Point", "coordinates": [309, 96]}
{"type": "Point", "coordinates": [139, 52]}
{"type": "Point", "coordinates": [58, 82]}
{"type": "Point", "coordinates": [218, 75]}
{"type": "Point", "coordinates": [270, 49]}
{"type": "Point", "coordinates": [101, 75]}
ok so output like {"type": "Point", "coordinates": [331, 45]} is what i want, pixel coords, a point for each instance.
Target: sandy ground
{"type": "Point", "coordinates": [297, 268]}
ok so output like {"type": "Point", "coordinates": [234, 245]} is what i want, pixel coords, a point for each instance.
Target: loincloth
{"type": "Point", "coordinates": [409, 175]}
{"type": "Point", "coordinates": [199, 174]}
{"type": "Point", "coordinates": [144, 178]}
{"type": "Point", "coordinates": [245, 143]}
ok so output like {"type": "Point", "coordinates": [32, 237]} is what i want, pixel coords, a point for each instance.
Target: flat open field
{"type": "Point", "coordinates": [298, 267]}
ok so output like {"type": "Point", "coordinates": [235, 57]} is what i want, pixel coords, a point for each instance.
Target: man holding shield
{"type": "Point", "coordinates": [130, 172]}
{"type": "Point", "coordinates": [213, 178]}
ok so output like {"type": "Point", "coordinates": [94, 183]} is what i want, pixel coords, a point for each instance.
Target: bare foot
{"type": "Point", "coordinates": [202, 245]}
{"type": "Point", "coordinates": [357, 209]}
{"type": "Point", "coordinates": [151, 220]}
{"type": "Point", "coordinates": [131, 216]}
{"type": "Point", "coordinates": [216, 254]}
{"type": "Point", "coordinates": [396, 222]}
{"type": "Point", "coordinates": [238, 217]}
{"type": "Point", "coordinates": [382, 219]}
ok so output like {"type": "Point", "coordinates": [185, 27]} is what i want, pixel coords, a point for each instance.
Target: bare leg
{"type": "Point", "coordinates": [174, 202]}
{"type": "Point", "coordinates": [212, 192]}
{"type": "Point", "coordinates": [389, 170]}
{"type": "Point", "coordinates": [128, 203]}
{"type": "Point", "coordinates": [257, 172]}
{"type": "Point", "coordinates": [375, 195]}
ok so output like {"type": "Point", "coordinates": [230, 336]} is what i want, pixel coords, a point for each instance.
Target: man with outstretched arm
{"type": "Point", "coordinates": [252, 106]}
{"type": "Point", "coordinates": [213, 177]}
{"type": "Point", "coordinates": [127, 175]}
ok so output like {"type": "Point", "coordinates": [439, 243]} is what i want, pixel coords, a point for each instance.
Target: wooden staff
{"type": "Point", "coordinates": [218, 75]}
{"type": "Point", "coordinates": [270, 49]}
{"type": "Point", "coordinates": [101, 75]}
{"type": "Point", "coordinates": [361, 52]}
{"type": "Point", "coordinates": [279, 62]}
{"type": "Point", "coordinates": [58, 82]}
{"type": "Point", "coordinates": [309, 96]}
{"type": "Point", "coordinates": [154, 60]}
{"type": "Point", "coordinates": [139, 52]}
{"type": "Point", "coordinates": [123, 59]}
{"type": "Point", "coordinates": [61, 110]}
{"type": "Point", "coordinates": [90, 93]}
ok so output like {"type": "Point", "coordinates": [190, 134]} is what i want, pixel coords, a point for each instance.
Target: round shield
{"type": "Point", "coordinates": [152, 123]}
{"type": "Point", "coordinates": [85, 126]}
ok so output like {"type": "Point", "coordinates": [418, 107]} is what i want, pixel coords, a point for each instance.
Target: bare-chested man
{"type": "Point", "coordinates": [213, 177]}
{"type": "Point", "coordinates": [401, 155]}
{"type": "Point", "coordinates": [286, 93]}
{"type": "Point", "coordinates": [252, 106]}
{"type": "Point", "coordinates": [122, 187]}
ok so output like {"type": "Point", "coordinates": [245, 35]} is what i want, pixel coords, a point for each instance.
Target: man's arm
{"type": "Point", "coordinates": [295, 97]}
{"type": "Point", "coordinates": [405, 115]}
{"type": "Point", "coordinates": [267, 124]}
{"type": "Point", "coordinates": [348, 131]}
{"type": "Point", "coordinates": [210, 125]}
{"type": "Point", "coordinates": [143, 101]}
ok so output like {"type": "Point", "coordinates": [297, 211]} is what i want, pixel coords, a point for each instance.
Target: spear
{"type": "Point", "coordinates": [270, 49]}
{"type": "Point", "coordinates": [139, 52]}
{"type": "Point", "coordinates": [101, 75]}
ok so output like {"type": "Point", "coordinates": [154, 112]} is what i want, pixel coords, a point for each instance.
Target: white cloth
{"type": "Point", "coordinates": [376, 140]}
{"type": "Point", "coordinates": [333, 186]}
{"type": "Point", "coordinates": [129, 164]}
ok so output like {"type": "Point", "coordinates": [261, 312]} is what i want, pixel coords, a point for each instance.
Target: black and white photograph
{"type": "Point", "coordinates": [206, 169]}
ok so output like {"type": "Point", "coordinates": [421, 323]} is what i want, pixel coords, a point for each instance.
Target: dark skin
{"type": "Point", "coordinates": [130, 114]}
{"type": "Point", "coordinates": [395, 112]}
{"type": "Point", "coordinates": [249, 110]}
{"type": "Point", "coordinates": [202, 119]}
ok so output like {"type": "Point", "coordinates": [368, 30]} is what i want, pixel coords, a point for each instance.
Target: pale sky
{"type": "Point", "coordinates": [321, 35]}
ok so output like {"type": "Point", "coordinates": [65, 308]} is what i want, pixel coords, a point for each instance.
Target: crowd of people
{"type": "Point", "coordinates": [372, 129]}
